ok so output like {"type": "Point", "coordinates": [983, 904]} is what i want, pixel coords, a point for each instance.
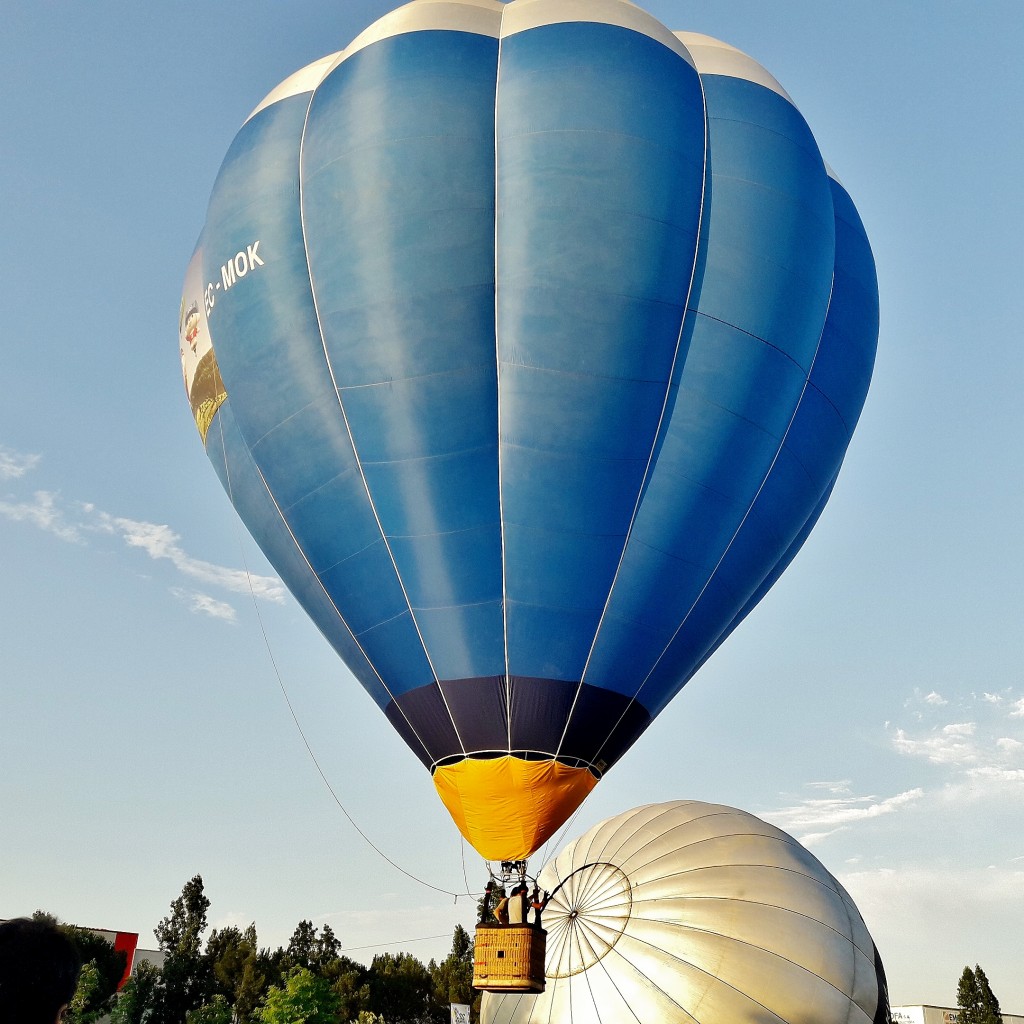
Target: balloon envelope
{"type": "Point", "coordinates": [699, 914]}
{"type": "Point", "coordinates": [527, 340]}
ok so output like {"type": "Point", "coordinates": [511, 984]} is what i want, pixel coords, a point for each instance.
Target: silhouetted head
{"type": "Point", "coordinates": [39, 968]}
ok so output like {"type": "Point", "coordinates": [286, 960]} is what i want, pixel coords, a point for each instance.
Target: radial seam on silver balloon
{"type": "Point", "coordinates": [661, 991]}
{"type": "Point", "coordinates": [779, 837]}
{"type": "Point", "coordinates": [580, 895]}
{"type": "Point", "coordinates": [772, 867]}
{"type": "Point", "coordinates": [665, 809]}
{"type": "Point", "coordinates": [593, 999]}
{"type": "Point", "coordinates": [656, 434]}
{"type": "Point", "coordinates": [348, 429]}
{"type": "Point", "coordinates": [700, 970]}
{"type": "Point", "coordinates": [750, 945]}
{"type": "Point", "coordinates": [846, 938]}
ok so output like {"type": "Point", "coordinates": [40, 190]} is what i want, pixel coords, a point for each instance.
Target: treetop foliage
{"type": "Point", "coordinates": [976, 1000]}
{"type": "Point", "coordinates": [230, 979]}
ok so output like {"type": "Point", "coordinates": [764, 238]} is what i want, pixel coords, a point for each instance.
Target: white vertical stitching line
{"type": "Point", "coordinates": [298, 547]}
{"type": "Point", "coordinates": [657, 432]}
{"type": "Point", "coordinates": [753, 501]}
{"type": "Point", "coordinates": [348, 429]}
{"type": "Point", "coordinates": [497, 383]}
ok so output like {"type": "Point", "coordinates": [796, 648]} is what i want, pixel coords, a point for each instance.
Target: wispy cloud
{"type": "Point", "coordinates": [159, 541]}
{"type": "Point", "coordinates": [76, 522]}
{"type": "Point", "coordinates": [837, 787]}
{"type": "Point", "coordinates": [813, 820]}
{"type": "Point", "coordinates": [997, 885]}
{"type": "Point", "coordinates": [42, 511]}
{"type": "Point", "coordinates": [987, 748]}
{"type": "Point", "coordinates": [15, 464]}
{"type": "Point", "coordinates": [952, 744]}
{"type": "Point", "coordinates": [935, 699]}
{"type": "Point", "coordinates": [203, 604]}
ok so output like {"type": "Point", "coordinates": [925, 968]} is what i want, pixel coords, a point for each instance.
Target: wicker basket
{"type": "Point", "coordinates": [509, 958]}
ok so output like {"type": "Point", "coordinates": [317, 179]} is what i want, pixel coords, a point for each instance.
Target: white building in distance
{"type": "Point", "coordinates": [938, 1015]}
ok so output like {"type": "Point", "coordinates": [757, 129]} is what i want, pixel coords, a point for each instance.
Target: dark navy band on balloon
{"type": "Point", "coordinates": [538, 712]}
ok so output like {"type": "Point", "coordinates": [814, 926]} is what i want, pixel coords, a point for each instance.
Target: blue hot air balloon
{"type": "Point", "coordinates": [527, 339]}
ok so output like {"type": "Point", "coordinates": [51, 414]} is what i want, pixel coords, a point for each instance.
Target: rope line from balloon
{"type": "Point", "coordinates": [291, 710]}
{"type": "Point", "coordinates": [381, 945]}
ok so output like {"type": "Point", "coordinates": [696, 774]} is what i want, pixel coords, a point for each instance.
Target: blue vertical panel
{"type": "Point", "coordinates": [397, 200]}
{"type": "Point", "coordinates": [770, 580]}
{"type": "Point", "coordinates": [762, 294]}
{"type": "Point", "coordinates": [232, 460]}
{"type": "Point", "coordinates": [600, 155]}
{"type": "Point", "coordinates": [271, 358]}
{"type": "Point", "coordinates": [801, 480]}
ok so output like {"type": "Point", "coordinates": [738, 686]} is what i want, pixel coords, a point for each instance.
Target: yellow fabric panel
{"type": "Point", "coordinates": [507, 807]}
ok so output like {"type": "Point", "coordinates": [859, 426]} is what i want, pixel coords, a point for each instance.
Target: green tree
{"type": "Point", "coordinates": [327, 950]}
{"type": "Point", "coordinates": [88, 984]}
{"type": "Point", "coordinates": [238, 970]}
{"type": "Point", "coordinates": [135, 1000]}
{"type": "Point", "coordinates": [186, 979]}
{"type": "Point", "coordinates": [217, 1011]}
{"type": "Point", "coordinates": [304, 999]}
{"type": "Point", "coordinates": [97, 986]}
{"type": "Point", "coordinates": [401, 989]}
{"type": "Point", "coordinates": [977, 1002]}
{"type": "Point", "coordinates": [991, 1014]}
{"type": "Point", "coordinates": [453, 976]}
{"type": "Point", "coordinates": [350, 983]}
{"type": "Point", "coordinates": [301, 946]}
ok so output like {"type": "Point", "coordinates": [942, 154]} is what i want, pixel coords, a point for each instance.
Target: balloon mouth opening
{"type": "Point", "coordinates": [597, 768]}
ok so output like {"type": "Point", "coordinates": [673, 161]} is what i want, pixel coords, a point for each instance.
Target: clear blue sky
{"type": "Point", "coordinates": [873, 705]}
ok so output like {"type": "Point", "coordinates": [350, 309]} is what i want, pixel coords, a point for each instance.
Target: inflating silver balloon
{"type": "Point", "coordinates": [700, 914]}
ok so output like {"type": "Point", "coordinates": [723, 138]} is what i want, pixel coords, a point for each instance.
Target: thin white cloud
{"type": "Point", "coordinates": [813, 838]}
{"type": "Point", "coordinates": [988, 749]}
{"type": "Point", "coordinates": [74, 521]}
{"type": "Point", "coordinates": [42, 512]}
{"type": "Point", "coordinates": [818, 818]}
{"type": "Point", "coordinates": [837, 787]}
{"type": "Point", "coordinates": [941, 886]}
{"type": "Point", "coordinates": [159, 541]}
{"type": "Point", "coordinates": [935, 699]}
{"type": "Point", "coordinates": [203, 604]}
{"type": "Point", "coordinates": [952, 744]}
{"type": "Point", "coordinates": [994, 773]}
{"type": "Point", "coordinates": [15, 464]}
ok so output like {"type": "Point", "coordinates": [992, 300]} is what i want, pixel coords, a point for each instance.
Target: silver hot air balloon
{"type": "Point", "coordinates": [698, 913]}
